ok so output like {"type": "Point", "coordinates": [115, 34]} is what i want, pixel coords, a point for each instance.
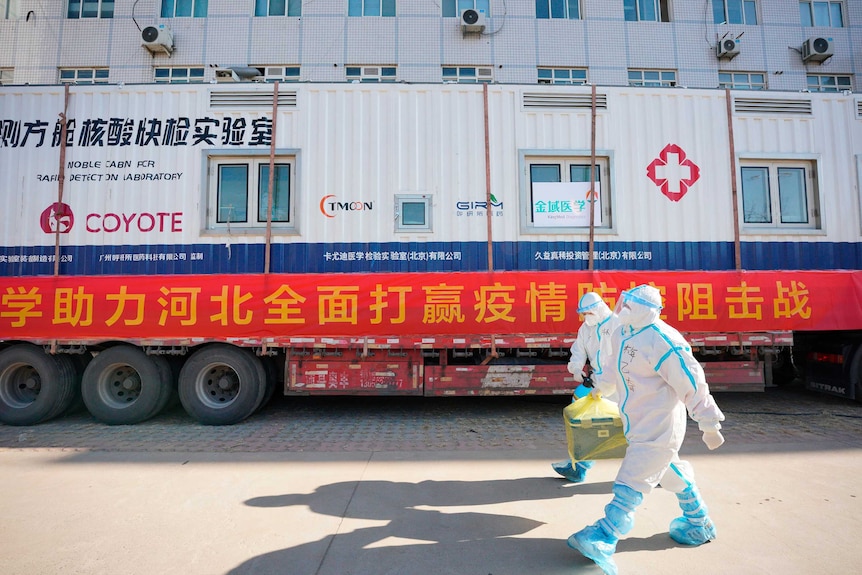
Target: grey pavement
{"type": "Point", "coordinates": [368, 486]}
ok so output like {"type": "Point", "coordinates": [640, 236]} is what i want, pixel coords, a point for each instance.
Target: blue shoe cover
{"type": "Point", "coordinates": [594, 543]}
{"type": "Point", "coordinates": [687, 533]}
{"type": "Point", "coordinates": [576, 473]}
{"type": "Point", "coordinates": [694, 527]}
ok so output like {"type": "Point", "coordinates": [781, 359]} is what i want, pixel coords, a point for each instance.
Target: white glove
{"type": "Point", "coordinates": [595, 394]}
{"type": "Point", "coordinates": [713, 439]}
{"type": "Point", "coordinates": [576, 371]}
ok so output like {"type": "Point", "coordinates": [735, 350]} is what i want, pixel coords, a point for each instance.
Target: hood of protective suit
{"type": "Point", "coordinates": [593, 308]}
{"type": "Point", "coordinates": [639, 306]}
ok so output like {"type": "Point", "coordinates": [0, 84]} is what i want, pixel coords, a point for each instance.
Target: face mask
{"type": "Point", "coordinates": [591, 319]}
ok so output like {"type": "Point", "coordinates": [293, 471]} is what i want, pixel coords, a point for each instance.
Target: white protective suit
{"type": "Point", "coordinates": [650, 368]}
{"type": "Point", "coordinates": [587, 346]}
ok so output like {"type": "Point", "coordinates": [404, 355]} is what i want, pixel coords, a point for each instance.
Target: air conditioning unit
{"type": "Point", "coordinates": [158, 39]}
{"type": "Point", "coordinates": [817, 49]}
{"type": "Point", "coordinates": [226, 75]}
{"type": "Point", "coordinates": [472, 20]}
{"type": "Point", "coordinates": [727, 48]}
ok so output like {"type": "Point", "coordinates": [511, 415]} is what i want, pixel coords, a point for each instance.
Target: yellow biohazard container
{"type": "Point", "coordinates": [594, 429]}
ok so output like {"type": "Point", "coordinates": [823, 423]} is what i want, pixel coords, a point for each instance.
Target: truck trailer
{"type": "Point", "coordinates": [224, 242]}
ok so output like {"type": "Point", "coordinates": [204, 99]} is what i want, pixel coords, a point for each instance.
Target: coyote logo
{"type": "Point", "coordinates": [57, 217]}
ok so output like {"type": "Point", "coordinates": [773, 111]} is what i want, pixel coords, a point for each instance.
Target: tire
{"type": "Point", "coordinates": [123, 385]}
{"type": "Point", "coordinates": [34, 386]}
{"type": "Point", "coordinates": [270, 366]}
{"type": "Point", "coordinates": [221, 384]}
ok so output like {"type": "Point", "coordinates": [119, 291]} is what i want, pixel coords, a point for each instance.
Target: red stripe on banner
{"type": "Point", "coordinates": [412, 304]}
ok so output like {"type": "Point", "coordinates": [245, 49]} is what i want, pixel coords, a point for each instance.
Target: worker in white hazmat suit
{"type": "Point", "coordinates": [651, 368]}
{"type": "Point", "coordinates": [598, 321]}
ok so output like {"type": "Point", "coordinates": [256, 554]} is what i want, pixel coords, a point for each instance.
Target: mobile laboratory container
{"type": "Point", "coordinates": [227, 241]}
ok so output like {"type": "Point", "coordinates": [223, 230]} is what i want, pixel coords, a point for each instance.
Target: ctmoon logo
{"type": "Point", "coordinates": [57, 217]}
{"type": "Point", "coordinates": [329, 206]}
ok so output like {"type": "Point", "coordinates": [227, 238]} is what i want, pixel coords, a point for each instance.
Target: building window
{"type": "Point", "coordinates": [452, 8]}
{"type": "Point", "coordinates": [562, 76]}
{"type": "Point", "coordinates": [181, 8]}
{"type": "Point", "coordinates": [279, 73]}
{"type": "Point", "coordinates": [828, 83]}
{"type": "Point", "coordinates": [652, 78]}
{"type": "Point", "coordinates": [646, 10]}
{"type": "Point", "coordinates": [239, 191]}
{"type": "Point", "coordinates": [742, 80]}
{"type": "Point", "coordinates": [84, 76]}
{"type": "Point", "coordinates": [370, 73]}
{"type": "Point", "coordinates": [468, 74]}
{"type": "Point", "coordinates": [90, 9]}
{"type": "Point", "coordinates": [779, 195]}
{"type": "Point", "coordinates": [371, 8]}
{"type": "Point", "coordinates": [277, 8]}
{"type": "Point", "coordinates": [9, 9]}
{"type": "Point", "coordinates": [827, 14]}
{"type": "Point", "coordinates": [6, 76]}
{"type": "Point", "coordinates": [734, 12]}
{"type": "Point", "coordinates": [412, 213]}
{"type": "Point", "coordinates": [570, 9]}
{"type": "Point", "coordinates": [179, 75]}
{"type": "Point", "coordinates": [558, 196]}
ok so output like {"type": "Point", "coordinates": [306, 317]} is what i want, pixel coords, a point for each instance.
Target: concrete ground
{"type": "Point", "coordinates": [417, 486]}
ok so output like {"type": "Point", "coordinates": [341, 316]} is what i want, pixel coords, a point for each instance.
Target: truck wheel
{"type": "Point", "coordinates": [123, 385]}
{"type": "Point", "coordinates": [34, 386]}
{"type": "Point", "coordinates": [270, 367]}
{"type": "Point", "coordinates": [221, 384]}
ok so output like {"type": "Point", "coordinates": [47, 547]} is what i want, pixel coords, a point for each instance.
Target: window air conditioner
{"type": "Point", "coordinates": [817, 49]}
{"type": "Point", "coordinates": [225, 75]}
{"type": "Point", "coordinates": [472, 21]}
{"type": "Point", "coordinates": [727, 48]}
{"type": "Point", "coordinates": [158, 39]}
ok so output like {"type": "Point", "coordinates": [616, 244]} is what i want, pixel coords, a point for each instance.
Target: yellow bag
{"type": "Point", "coordinates": [594, 429]}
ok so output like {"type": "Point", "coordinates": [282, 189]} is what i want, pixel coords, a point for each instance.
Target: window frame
{"type": "Point", "coordinates": [748, 84]}
{"type": "Point", "coordinates": [721, 12]}
{"type": "Point", "coordinates": [463, 74]}
{"type": "Point", "coordinates": [104, 9]}
{"type": "Point", "coordinates": [558, 79]}
{"type": "Point", "coordinates": [634, 10]}
{"type": "Point", "coordinates": [290, 8]}
{"type": "Point", "coordinates": [366, 8]}
{"type": "Point", "coordinates": [453, 8]}
{"type": "Point", "coordinates": [213, 221]}
{"type": "Point", "coordinates": [371, 73]}
{"type": "Point", "coordinates": [839, 86]}
{"type": "Point", "coordinates": [7, 76]}
{"type": "Point", "coordinates": [565, 160]}
{"type": "Point", "coordinates": [808, 17]}
{"type": "Point", "coordinates": [197, 8]}
{"type": "Point", "coordinates": [172, 79]}
{"type": "Point", "coordinates": [644, 83]}
{"type": "Point", "coordinates": [546, 11]}
{"type": "Point", "coordinates": [426, 200]}
{"type": "Point", "coordinates": [773, 166]}
{"type": "Point", "coordinates": [98, 76]}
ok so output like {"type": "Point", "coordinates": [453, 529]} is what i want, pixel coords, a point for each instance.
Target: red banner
{"type": "Point", "coordinates": [411, 304]}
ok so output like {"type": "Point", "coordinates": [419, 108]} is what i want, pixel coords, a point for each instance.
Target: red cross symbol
{"type": "Point", "coordinates": [672, 171]}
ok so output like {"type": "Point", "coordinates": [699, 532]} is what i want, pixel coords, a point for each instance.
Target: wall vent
{"type": "Point", "coordinates": [542, 101]}
{"type": "Point", "coordinates": [238, 99]}
{"type": "Point", "coordinates": [771, 106]}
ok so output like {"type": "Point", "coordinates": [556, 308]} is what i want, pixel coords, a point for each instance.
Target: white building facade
{"type": "Point", "coordinates": [783, 45]}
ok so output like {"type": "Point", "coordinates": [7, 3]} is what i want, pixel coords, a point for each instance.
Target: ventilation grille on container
{"type": "Point", "coordinates": [235, 99]}
{"type": "Point", "coordinates": [859, 109]}
{"type": "Point", "coordinates": [539, 101]}
{"type": "Point", "coordinates": [770, 106]}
